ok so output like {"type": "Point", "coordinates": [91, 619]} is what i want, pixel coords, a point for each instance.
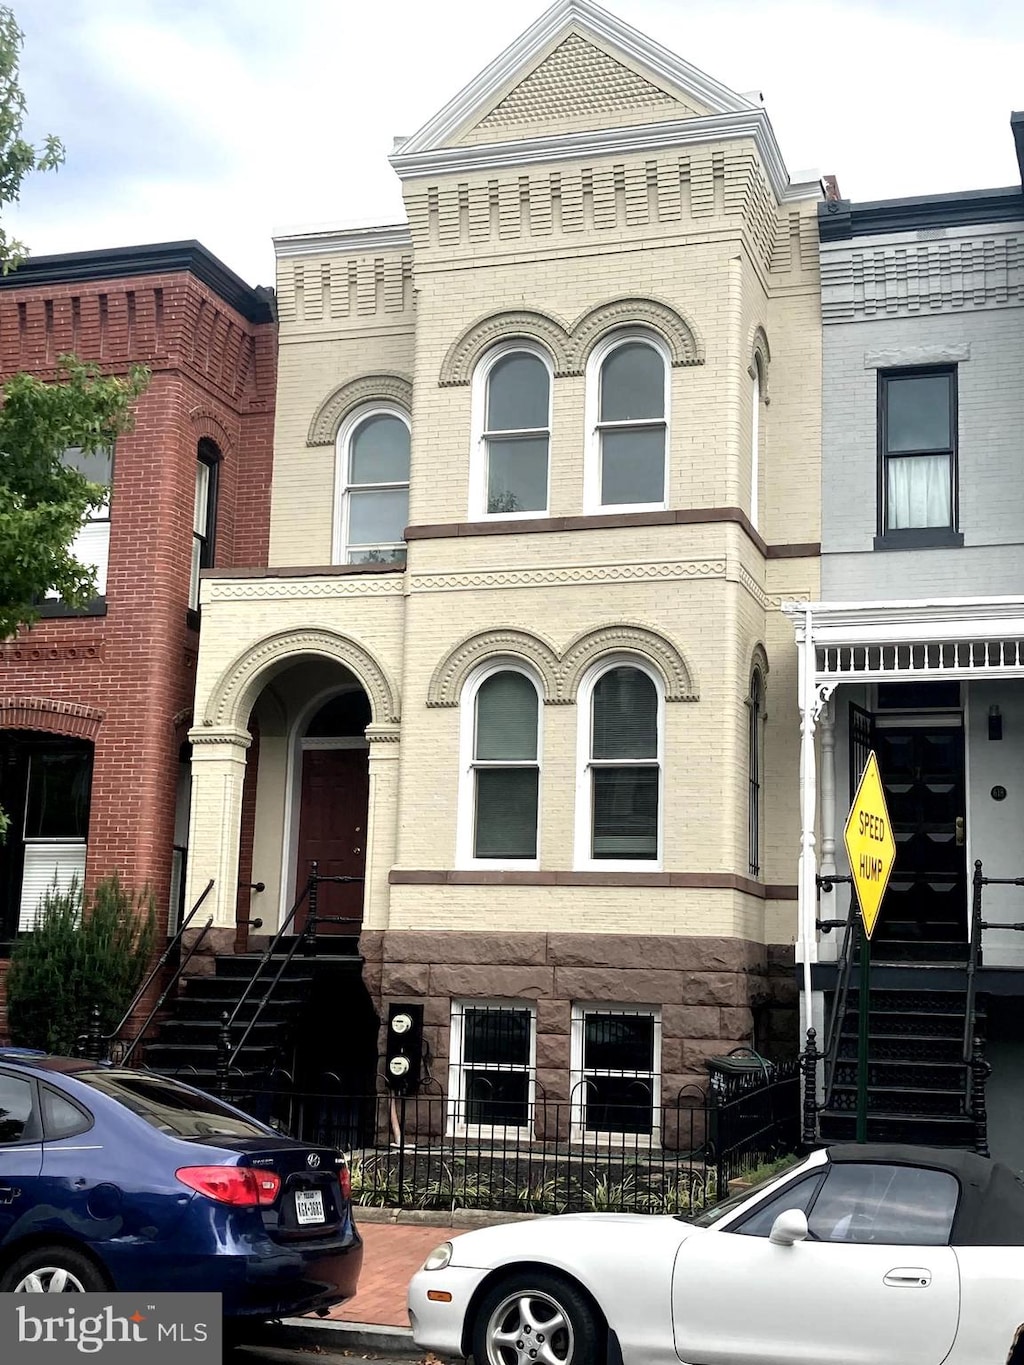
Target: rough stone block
{"type": "Point", "coordinates": [652, 986]}
{"type": "Point", "coordinates": [490, 982]}
{"type": "Point", "coordinates": [479, 949]}
{"type": "Point", "coordinates": [737, 1023]}
{"type": "Point", "coordinates": [690, 1021]}
{"type": "Point", "coordinates": [554, 1016]}
{"type": "Point", "coordinates": [405, 979]}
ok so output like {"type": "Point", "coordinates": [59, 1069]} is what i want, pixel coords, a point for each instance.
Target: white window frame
{"type": "Point", "coordinates": [456, 1125]}
{"type": "Point", "coordinates": [583, 861]}
{"type": "Point", "coordinates": [755, 442]}
{"type": "Point", "coordinates": [578, 1093]}
{"type": "Point", "coordinates": [342, 488]}
{"type": "Point", "coordinates": [204, 540]}
{"type": "Point", "coordinates": [479, 434]}
{"type": "Point", "coordinates": [91, 543]}
{"type": "Point", "coordinates": [592, 504]}
{"type": "Point", "coordinates": [466, 807]}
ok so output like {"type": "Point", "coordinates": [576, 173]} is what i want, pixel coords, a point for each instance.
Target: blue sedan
{"type": "Point", "coordinates": [119, 1179]}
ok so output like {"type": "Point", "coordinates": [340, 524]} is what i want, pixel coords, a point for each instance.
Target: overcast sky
{"type": "Point", "coordinates": [229, 120]}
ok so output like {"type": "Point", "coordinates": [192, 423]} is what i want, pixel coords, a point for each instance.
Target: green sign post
{"type": "Point", "coordinates": [871, 850]}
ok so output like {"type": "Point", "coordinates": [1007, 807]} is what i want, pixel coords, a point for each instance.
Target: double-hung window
{"type": "Point", "coordinates": [511, 474]}
{"type": "Point", "coordinates": [619, 798]}
{"type": "Point", "coordinates": [493, 1056]}
{"type": "Point", "coordinates": [917, 430]}
{"type": "Point", "coordinates": [627, 387]}
{"type": "Point", "coordinates": [91, 546]}
{"type": "Point", "coordinates": [373, 488]}
{"type": "Point", "coordinates": [204, 516]}
{"type": "Point", "coordinates": [616, 1060]}
{"type": "Point", "coordinates": [498, 822]}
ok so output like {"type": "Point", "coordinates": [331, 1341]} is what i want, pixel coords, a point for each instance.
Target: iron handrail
{"type": "Point", "coordinates": [267, 955]}
{"type": "Point", "coordinates": [164, 956]}
{"type": "Point", "coordinates": [167, 990]}
{"type": "Point", "coordinates": [838, 1015]}
{"type": "Point", "coordinates": [978, 927]}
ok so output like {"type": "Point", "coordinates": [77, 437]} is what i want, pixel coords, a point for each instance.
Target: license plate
{"type": "Point", "coordinates": [309, 1206]}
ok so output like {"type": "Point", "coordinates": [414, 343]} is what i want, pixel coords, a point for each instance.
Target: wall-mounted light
{"type": "Point", "coordinates": [995, 723]}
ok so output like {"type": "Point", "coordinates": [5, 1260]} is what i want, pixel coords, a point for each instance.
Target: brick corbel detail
{"type": "Point", "coordinates": [57, 717]}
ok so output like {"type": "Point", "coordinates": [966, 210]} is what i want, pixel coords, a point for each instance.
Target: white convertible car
{"type": "Point", "coordinates": [858, 1255]}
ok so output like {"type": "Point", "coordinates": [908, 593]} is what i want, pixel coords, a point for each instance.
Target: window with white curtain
{"type": "Point", "coordinates": [373, 487]}
{"type": "Point", "coordinates": [627, 398]}
{"type": "Point", "coordinates": [500, 797]}
{"type": "Point", "coordinates": [512, 417]}
{"type": "Point", "coordinates": [917, 437]}
{"type": "Point", "coordinates": [91, 545]}
{"type": "Point", "coordinates": [619, 795]}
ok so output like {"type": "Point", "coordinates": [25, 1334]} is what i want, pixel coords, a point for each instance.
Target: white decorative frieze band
{"type": "Point", "coordinates": [296, 589]}
{"type": "Point", "coordinates": [568, 575]}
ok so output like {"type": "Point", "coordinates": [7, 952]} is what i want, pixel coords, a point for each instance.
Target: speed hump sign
{"type": "Point", "coordinates": [870, 845]}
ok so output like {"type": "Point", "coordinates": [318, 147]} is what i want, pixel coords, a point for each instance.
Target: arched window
{"type": "Point", "coordinates": [373, 487]}
{"type": "Point", "coordinates": [512, 414]}
{"type": "Point", "coordinates": [755, 442]}
{"type": "Point", "coordinates": [501, 768]}
{"type": "Point", "coordinates": [619, 798]}
{"type": "Point", "coordinates": [627, 396]}
{"type": "Point", "coordinates": [755, 726]}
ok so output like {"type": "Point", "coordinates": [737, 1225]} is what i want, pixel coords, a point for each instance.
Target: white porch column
{"type": "Point", "coordinates": [827, 903]}
{"type": "Point", "coordinates": [218, 772]}
{"type": "Point", "coordinates": [381, 822]}
{"type": "Point", "coordinates": [806, 946]}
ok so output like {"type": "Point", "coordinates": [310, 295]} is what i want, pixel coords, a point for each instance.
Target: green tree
{"type": "Point", "coordinates": [18, 158]}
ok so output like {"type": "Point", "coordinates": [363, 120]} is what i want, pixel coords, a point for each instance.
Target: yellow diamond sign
{"type": "Point", "coordinates": [870, 845]}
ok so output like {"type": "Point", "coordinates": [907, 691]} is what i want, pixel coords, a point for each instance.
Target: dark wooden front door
{"type": "Point", "coordinates": [332, 832]}
{"type": "Point", "coordinates": [922, 768]}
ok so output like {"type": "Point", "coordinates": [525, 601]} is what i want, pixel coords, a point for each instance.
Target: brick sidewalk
{"type": "Point", "coordinates": [392, 1254]}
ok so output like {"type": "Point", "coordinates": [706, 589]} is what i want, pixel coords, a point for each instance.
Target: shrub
{"type": "Point", "coordinates": [72, 961]}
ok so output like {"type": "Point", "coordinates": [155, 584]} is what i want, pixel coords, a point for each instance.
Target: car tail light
{"type": "Point", "coordinates": [345, 1181]}
{"type": "Point", "coordinates": [239, 1186]}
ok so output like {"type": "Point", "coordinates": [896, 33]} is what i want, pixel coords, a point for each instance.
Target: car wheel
{"type": "Point", "coordinates": [53, 1270]}
{"type": "Point", "coordinates": [535, 1319]}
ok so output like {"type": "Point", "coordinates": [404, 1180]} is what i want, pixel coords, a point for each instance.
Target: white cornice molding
{"type": "Point", "coordinates": [563, 17]}
{"type": "Point", "coordinates": [906, 621]}
{"type": "Point", "coordinates": [645, 137]}
{"type": "Point", "coordinates": [353, 241]}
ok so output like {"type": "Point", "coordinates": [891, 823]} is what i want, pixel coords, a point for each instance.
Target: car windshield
{"type": "Point", "coordinates": [713, 1214]}
{"type": "Point", "coordinates": [170, 1107]}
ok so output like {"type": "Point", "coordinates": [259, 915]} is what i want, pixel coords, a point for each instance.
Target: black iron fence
{"type": "Point", "coordinates": [426, 1151]}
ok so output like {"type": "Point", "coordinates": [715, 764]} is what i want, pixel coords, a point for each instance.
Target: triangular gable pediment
{"type": "Point", "coordinates": [577, 68]}
{"type": "Point", "coordinates": [578, 85]}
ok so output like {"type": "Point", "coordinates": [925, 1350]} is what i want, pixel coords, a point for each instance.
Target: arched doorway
{"type": "Point", "coordinates": [332, 794]}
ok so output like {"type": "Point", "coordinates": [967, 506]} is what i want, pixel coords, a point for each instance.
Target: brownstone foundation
{"type": "Point", "coordinates": [714, 994]}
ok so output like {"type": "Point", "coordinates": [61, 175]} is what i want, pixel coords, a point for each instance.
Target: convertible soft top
{"type": "Point", "coordinates": [990, 1211]}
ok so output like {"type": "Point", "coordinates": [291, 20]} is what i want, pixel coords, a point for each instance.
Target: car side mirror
{"type": "Point", "coordinates": [789, 1227]}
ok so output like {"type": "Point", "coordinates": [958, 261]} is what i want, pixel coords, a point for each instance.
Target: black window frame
{"type": "Point", "coordinates": [917, 537]}
{"type": "Point", "coordinates": [207, 453]}
{"type": "Point", "coordinates": [31, 1134]}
